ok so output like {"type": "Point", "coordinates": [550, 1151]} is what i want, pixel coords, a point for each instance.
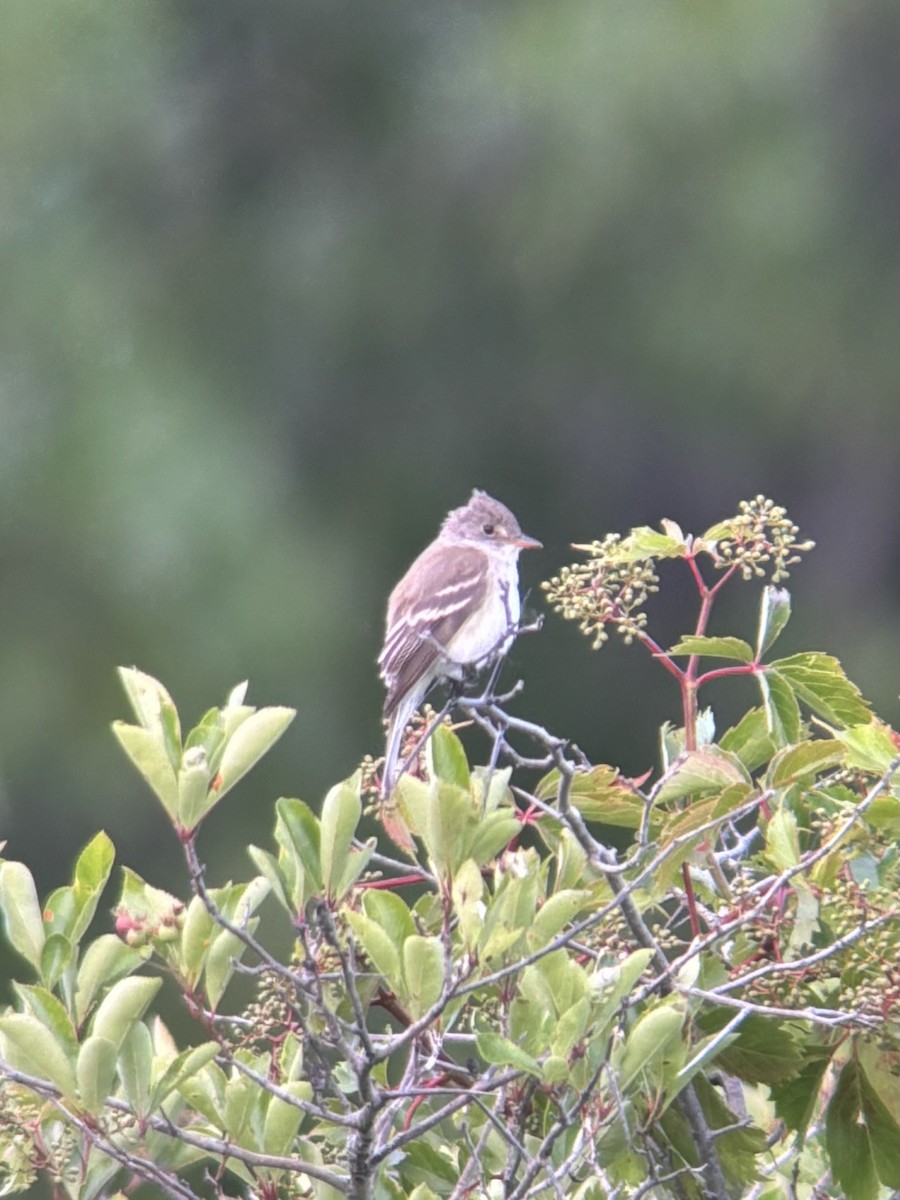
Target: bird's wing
{"type": "Point", "coordinates": [428, 607]}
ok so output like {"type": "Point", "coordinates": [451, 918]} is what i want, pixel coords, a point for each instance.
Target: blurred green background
{"type": "Point", "coordinates": [283, 281]}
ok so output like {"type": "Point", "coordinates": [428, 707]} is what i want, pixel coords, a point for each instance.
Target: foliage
{"type": "Point", "coordinates": [514, 1009]}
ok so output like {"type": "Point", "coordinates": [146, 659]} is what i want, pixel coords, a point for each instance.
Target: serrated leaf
{"type": "Point", "coordinates": [774, 614]}
{"type": "Point", "coordinates": [763, 1050]}
{"type": "Point", "coordinates": [715, 647]}
{"type": "Point", "coordinates": [782, 840]}
{"type": "Point", "coordinates": [749, 740]}
{"type": "Point", "coordinates": [22, 912]}
{"type": "Point", "coordinates": [806, 918]}
{"type": "Point", "coordinates": [645, 542]}
{"type": "Point", "coordinates": [700, 771]}
{"type": "Point", "coordinates": [95, 1072]}
{"type": "Point", "coordinates": [29, 1046]}
{"type": "Point", "coordinates": [863, 1140]}
{"type": "Point", "coordinates": [501, 1052]}
{"type": "Point", "coordinates": [797, 1096]}
{"type": "Point", "coordinates": [423, 973]}
{"type": "Point", "coordinates": [781, 708]}
{"type": "Point", "coordinates": [341, 812]}
{"type": "Point", "coordinates": [125, 1003]}
{"type": "Point", "coordinates": [599, 794]}
{"type": "Point", "coordinates": [803, 760]}
{"type": "Point", "coordinates": [870, 747]}
{"type": "Point", "coordinates": [819, 681]}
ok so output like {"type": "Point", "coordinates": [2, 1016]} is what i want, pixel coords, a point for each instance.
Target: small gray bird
{"type": "Point", "coordinates": [456, 607]}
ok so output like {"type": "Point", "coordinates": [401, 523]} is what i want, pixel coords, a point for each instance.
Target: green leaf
{"type": "Point", "coordinates": [611, 984]}
{"type": "Point", "coordinates": [241, 1095]}
{"type": "Point", "coordinates": [249, 743]}
{"type": "Point", "coordinates": [147, 697]}
{"type": "Point", "coordinates": [57, 954]}
{"type": "Point", "coordinates": [862, 1139]}
{"type": "Point", "coordinates": [185, 1065]}
{"type": "Point", "coordinates": [749, 740]}
{"type": "Point", "coordinates": [491, 835]}
{"type": "Point", "coordinates": [599, 794]}
{"type": "Point", "coordinates": [282, 886]}
{"type": "Point", "coordinates": [774, 614]}
{"type": "Point", "coordinates": [106, 960]}
{"type": "Point", "coordinates": [763, 1050]}
{"type": "Point", "coordinates": [501, 1052]}
{"type": "Point", "coordinates": [196, 797]}
{"type": "Point", "coordinates": [237, 904]}
{"type": "Point", "coordinates": [283, 1118]}
{"type": "Point", "coordinates": [699, 771]}
{"type": "Point", "coordinates": [870, 747]}
{"type": "Point", "coordinates": [570, 1028]}
{"type": "Point", "coordinates": [388, 910]}
{"type": "Point", "coordinates": [29, 1046]}
{"type": "Point", "coordinates": [423, 973]}
{"type": "Point", "coordinates": [95, 1072]}
{"type": "Point", "coordinates": [196, 939]}
{"type": "Point", "coordinates": [715, 647]}
{"type": "Point", "coordinates": [341, 812]}
{"type": "Point", "coordinates": [782, 840]}
{"type": "Point", "coordinates": [447, 758]}
{"type": "Point", "coordinates": [650, 1040]}
{"type": "Point", "coordinates": [148, 755]}
{"type": "Point", "coordinates": [297, 832]}
{"type": "Point", "coordinates": [781, 708]}
{"type": "Point", "coordinates": [468, 890]}
{"type": "Point", "coordinates": [804, 760]}
{"type": "Point", "coordinates": [644, 542]}
{"type": "Point", "coordinates": [21, 912]}
{"type": "Point", "coordinates": [819, 681]}
{"type": "Point", "coordinates": [554, 914]}
{"type": "Point", "coordinates": [92, 869]}
{"type": "Point", "coordinates": [125, 1003]}
{"type": "Point", "coordinates": [50, 1011]}
{"type": "Point", "coordinates": [796, 1097]}
{"type": "Point", "coordinates": [135, 1066]}
{"type": "Point", "coordinates": [378, 946]}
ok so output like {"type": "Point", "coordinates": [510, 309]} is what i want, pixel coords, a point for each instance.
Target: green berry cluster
{"type": "Point", "coordinates": [611, 588]}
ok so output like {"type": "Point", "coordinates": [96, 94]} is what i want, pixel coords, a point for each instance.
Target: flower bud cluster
{"type": "Point", "coordinates": [611, 588]}
{"type": "Point", "coordinates": [760, 539]}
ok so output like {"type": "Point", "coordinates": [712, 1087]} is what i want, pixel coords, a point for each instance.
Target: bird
{"type": "Point", "coordinates": [456, 608]}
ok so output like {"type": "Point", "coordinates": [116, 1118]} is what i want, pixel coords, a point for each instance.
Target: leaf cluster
{"type": "Point", "coordinates": [507, 1006]}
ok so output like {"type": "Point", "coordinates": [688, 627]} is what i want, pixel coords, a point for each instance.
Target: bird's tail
{"type": "Point", "coordinates": [396, 728]}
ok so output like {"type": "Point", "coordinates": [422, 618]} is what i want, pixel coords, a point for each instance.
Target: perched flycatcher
{"type": "Point", "coordinates": [456, 607]}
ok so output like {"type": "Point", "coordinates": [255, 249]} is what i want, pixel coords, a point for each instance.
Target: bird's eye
{"type": "Point", "coordinates": [487, 528]}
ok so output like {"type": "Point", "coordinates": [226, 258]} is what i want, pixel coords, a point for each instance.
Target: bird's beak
{"type": "Point", "coordinates": [523, 542]}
